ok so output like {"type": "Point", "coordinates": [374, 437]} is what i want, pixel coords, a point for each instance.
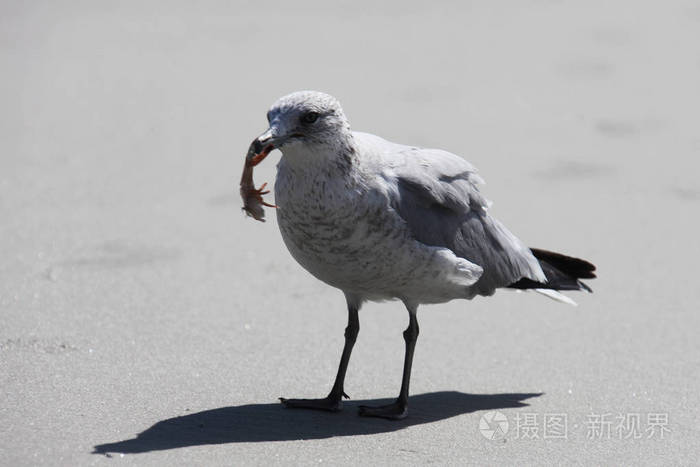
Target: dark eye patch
{"type": "Point", "coordinates": [309, 117]}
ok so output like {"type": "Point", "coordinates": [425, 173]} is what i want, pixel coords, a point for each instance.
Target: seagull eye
{"type": "Point", "coordinates": [309, 117]}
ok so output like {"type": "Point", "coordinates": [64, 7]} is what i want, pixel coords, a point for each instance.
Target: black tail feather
{"type": "Point", "coordinates": [562, 272]}
{"type": "Point", "coordinates": [575, 267]}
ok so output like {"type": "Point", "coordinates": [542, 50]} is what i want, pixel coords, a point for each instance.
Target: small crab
{"type": "Point", "coordinates": [253, 197]}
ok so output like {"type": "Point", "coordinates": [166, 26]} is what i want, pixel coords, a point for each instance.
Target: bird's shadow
{"type": "Point", "coordinates": [272, 422]}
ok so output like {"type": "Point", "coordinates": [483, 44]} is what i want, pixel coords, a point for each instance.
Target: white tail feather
{"type": "Point", "coordinates": [554, 295]}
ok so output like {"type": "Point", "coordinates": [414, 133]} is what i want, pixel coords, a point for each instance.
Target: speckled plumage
{"type": "Point", "coordinates": [382, 221]}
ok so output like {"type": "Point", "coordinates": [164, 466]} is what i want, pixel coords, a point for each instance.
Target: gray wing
{"type": "Point", "coordinates": [436, 193]}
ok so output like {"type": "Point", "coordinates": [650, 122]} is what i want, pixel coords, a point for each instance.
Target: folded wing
{"type": "Point", "coordinates": [436, 193]}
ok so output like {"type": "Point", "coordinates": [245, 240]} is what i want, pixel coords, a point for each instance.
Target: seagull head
{"type": "Point", "coordinates": [306, 122]}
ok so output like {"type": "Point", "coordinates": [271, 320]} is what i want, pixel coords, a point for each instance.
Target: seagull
{"type": "Point", "coordinates": [384, 221]}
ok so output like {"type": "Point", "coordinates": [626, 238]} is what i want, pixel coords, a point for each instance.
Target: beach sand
{"type": "Point", "coordinates": [143, 317]}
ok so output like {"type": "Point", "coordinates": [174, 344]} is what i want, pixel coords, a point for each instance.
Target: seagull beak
{"type": "Point", "coordinates": [262, 146]}
{"type": "Point", "coordinates": [263, 140]}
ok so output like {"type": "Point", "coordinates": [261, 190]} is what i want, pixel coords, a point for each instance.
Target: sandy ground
{"type": "Point", "coordinates": [145, 321]}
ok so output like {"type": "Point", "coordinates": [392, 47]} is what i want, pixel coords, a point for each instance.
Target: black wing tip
{"type": "Point", "coordinates": [585, 287]}
{"type": "Point", "coordinates": [576, 267]}
{"type": "Point", "coordinates": [570, 285]}
{"type": "Point", "coordinates": [563, 272]}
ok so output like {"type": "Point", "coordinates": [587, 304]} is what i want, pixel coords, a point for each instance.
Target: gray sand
{"type": "Point", "coordinates": [136, 299]}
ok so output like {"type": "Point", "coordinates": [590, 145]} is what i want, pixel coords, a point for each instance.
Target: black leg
{"type": "Point", "coordinates": [399, 408]}
{"type": "Point", "coordinates": [333, 402]}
